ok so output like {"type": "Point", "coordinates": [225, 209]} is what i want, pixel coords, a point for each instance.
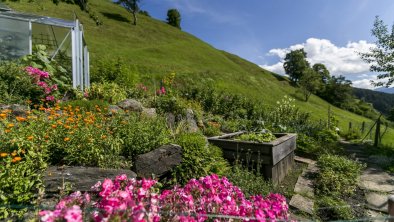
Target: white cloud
{"type": "Point", "coordinates": [338, 60]}
{"type": "Point", "coordinates": [363, 83]}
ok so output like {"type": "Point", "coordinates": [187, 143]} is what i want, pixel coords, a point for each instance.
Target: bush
{"type": "Point", "coordinates": [198, 159]}
{"type": "Point", "coordinates": [334, 208]}
{"type": "Point", "coordinates": [250, 182]}
{"type": "Point", "coordinates": [16, 85]}
{"type": "Point", "coordinates": [168, 103]}
{"type": "Point", "coordinates": [110, 92]}
{"type": "Point", "coordinates": [22, 164]}
{"type": "Point", "coordinates": [86, 105]}
{"type": "Point", "coordinates": [141, 134]}
{"type": "Point", "coordinates": [327, 136]}
{"type": "Point", "coordinates": [114, 71]}
{"type": "Point", "coordinates": [261, 137]}
{"type": "Point", "coordinates": [338, 175]}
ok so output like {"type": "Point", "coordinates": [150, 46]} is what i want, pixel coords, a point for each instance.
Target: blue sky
{"type": "Point", "coordinates": [262, 31]}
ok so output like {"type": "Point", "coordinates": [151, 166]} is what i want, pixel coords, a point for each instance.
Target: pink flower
{"type": "Point", "coordinates": [54, 87]}
{"type": "Point", "coordinates": [49, 98]}
{"type": "Point", "coordinates": [74, 214]}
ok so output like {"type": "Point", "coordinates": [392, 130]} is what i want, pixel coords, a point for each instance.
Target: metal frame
{"type": "Point", "coordinates": [80, 53]}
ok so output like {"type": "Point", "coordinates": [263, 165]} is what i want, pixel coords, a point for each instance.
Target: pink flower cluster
{"type": "Point", "coordinates": [212, 195]}
{"type": "Point", "coordinates": [161, 91]}
{"type": "Point", "coordinates": [40, 79]}
{"type": "Point", "coordinates": [127, 199]}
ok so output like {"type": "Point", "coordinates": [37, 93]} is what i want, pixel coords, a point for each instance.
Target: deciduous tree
{"type": "Point", "coordinates": [309, 83]}
{"type": "Point", "coordinates": [296, 64]}
{"type": "Point", "coordinates": [174, 18]}
{"type": "Point", "coordinates": [381, 57]}
{"type": "Point", "coordinates": [131, 6]}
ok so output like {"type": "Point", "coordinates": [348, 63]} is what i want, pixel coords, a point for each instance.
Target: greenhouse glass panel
{"type": "Point", "coordinates": [14, 38]}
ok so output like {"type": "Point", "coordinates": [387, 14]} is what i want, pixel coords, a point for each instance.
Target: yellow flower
{"type": "Point", "coordinates": [54, 126]}
{"type": "Point", "coordinates": [30, 137]}
{"type": "Point", "coordinates": [66, 139]}
{"type": "Point", "coordinates": [3, 115]}
{"type": "Point", "coordinates": [3, 154]}
{"type": "Point", "coordinates": [7, 130]}
{"type": "Point", "coordinates": [10, 125]}
{"type": "Point", "coordinates": [103, 136]}
{"type": "Point", "coordinates": [18, 158]}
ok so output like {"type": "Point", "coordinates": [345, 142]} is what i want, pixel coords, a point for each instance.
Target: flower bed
{"type": "Point", "coordinates": [275, 158]}
{"type": "Point", "coordinates": [204, 199]}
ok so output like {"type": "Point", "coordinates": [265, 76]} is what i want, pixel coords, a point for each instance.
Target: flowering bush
{"type": "Point", "coordinates": [138, 200]}
{"type": "Point", "coordinates": [42, 79]}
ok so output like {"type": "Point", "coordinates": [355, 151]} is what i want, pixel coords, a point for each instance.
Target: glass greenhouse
{"type": "Point", "coordinates": [64, 41]}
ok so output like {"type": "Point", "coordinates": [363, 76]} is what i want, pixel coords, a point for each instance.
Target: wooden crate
{"type": "Point", "coordinates": [276, 158]}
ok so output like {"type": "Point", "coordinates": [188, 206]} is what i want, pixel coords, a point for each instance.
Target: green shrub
{"type": "Point", "coordinates": [141, 134]}
{"type": "Point", "coordinates": [20, 183]}
{"type": "Point", "coordinates": [114, 71]}
{"type": "Point", "coordinates": [16, 85]}
{"type": "Point", "coordinates": [352, 135]}
{"type": "Point", "coordinates": [338, 175]}
{"type": "Point", "coordinates": [249, 181]}
{"type": "Point", "coordinates": [169, 104]}
{"type": "Point", "coordinates": [211, 130]}
{"type": "Point", "coordinates": [110, 92]}
{"type": "Point", "coordinates": [333, 208]}
{"type": "Point", "coordinates": [307, 145]}
{"type": "Point", "coordinates": [198, 159]}
{"type": "Point", "coordinates": [327, 136]}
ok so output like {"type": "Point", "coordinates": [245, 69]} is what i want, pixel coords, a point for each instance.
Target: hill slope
{"type": "Point", "coordinates": [381, 101]}
{"type": "Point", "coordinates": [157, 48]}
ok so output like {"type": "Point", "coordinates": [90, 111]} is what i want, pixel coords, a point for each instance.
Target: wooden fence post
{"type": "Point", "coordinates": [350, 126]}
{"type": "Point", "coordinates": [377, 133]}
{"type": "Point", "coordinates": [329, 117]}
{"type": "Point", "coordinates": [391, 207]}
{"type": "Point", "coordinates": [362, 128]}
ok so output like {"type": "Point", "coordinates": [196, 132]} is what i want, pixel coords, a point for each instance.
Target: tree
{"type": "Point", "coordinates": [391, 115]}
{"type": "Point", "coordinates": [131, 6]}
{"type": "Point", "coordinates": [309, 83]}
{"type": "Point", "coordinates": [174, 18]}
{"type": "Point", "coordinates": [381, 57]}
{"type": "Point", "coordinates": [338, 90]}
{"type": "Point", "coordinates": [295, 64]}
{"type": "Point", "coordinates": [322, 71]}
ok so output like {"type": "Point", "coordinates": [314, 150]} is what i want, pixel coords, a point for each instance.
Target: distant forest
{"type": "Point", "coordinates": [383, 102]}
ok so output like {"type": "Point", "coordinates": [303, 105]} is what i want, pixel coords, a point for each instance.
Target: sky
{"type": "Point", "coordinates": [263, 31]}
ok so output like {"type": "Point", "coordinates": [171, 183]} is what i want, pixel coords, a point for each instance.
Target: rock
{"type": "Point", "coordinates": [375, 179]}
{"type": "Point", "coordinates": [16, 109]}
{"type": "Point", "coordinates": [191, 122]}
{"type": "Point", "coordinates": [113, 109]}
{"type": "Point", "coordinates": [170, 117]}
{"type": "Point", "coordinates": [131, 105]}
{"type": "Point", "coordinates": [302, 203]}
{"type": "Point", "coordinates": [158, 162]}
{"type": "Point", "coordinates": [377, 201]}
{"type": "Point", "coordinates": [81, 178]}
{"type": "Point", "coordinates": [149, 112]}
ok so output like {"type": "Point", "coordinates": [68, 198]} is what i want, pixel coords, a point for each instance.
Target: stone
{"type": "Point", "coordinates": [149, 112]}
{"type": "Point", "coordinates": [375, 179]}
{"type": "Point", "coordinates": [377, 201]}
{"type": "Point", "coordinates": [131, 105]}
{"type": "Point", "coordinates": [158, 162]}
{"type": "Point", "coordinates": [16, 109]}
{"type": "Point", "coordinates": [81, 178]}
{"type": "Point", "coordinates": [170, 118]}
{"type": "Point", "coordinates": [191, 122]}
{"type": "Point", "coordinates": [113, 109]}
{"type": "Point", "coordinates": [302, 203]}
{"type": "Point", "coordinates": [304, 184]}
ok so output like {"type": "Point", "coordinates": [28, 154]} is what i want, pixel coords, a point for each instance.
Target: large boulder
{"type": "Point", "coordinates": [80, 178]}
{"type": "Point", "coordinates": [171, 120]}
{"type": "Point", "coordinates": [131, 105]}
{"type": "Point", "coordinates": [158, 162]}
{"type": "Point", "coordinates": [113, 109]}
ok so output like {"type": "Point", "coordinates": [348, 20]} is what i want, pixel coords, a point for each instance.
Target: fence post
{"type": "Point", "coordinates": [362, 128]}
{"type": "Point", "coordinates": [329, 117]}
{"type": "Point", "coordinates": [350, 126]}
{"type": "Point", "coordinates": [377, 133]}
{"type": "Point", "coordinates": [391, 207]}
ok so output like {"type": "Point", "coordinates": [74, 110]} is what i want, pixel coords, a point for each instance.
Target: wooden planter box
{"type": "Point", "coordinates": [276, 157]}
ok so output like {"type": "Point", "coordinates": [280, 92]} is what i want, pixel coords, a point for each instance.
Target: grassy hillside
{"type": "Point", "coordinates": [157, 48]}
